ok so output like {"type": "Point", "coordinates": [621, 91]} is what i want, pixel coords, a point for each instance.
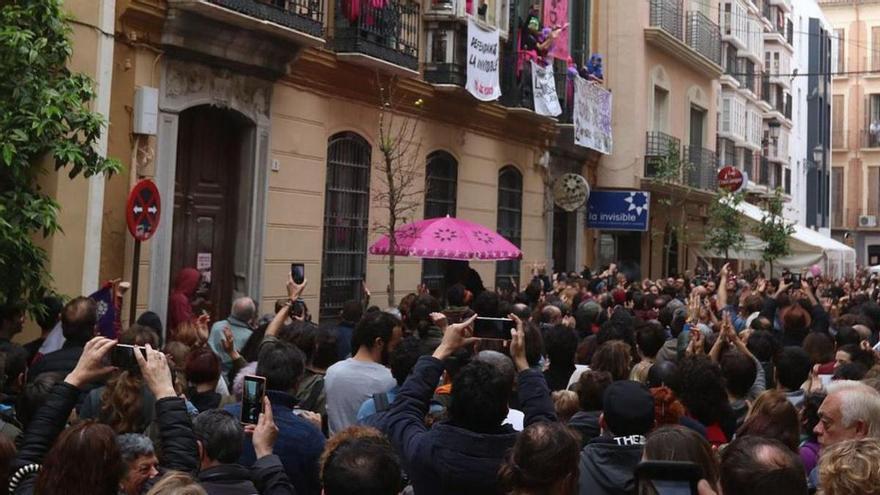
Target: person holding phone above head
{"type": "Point", "coordinates": [463, 455]}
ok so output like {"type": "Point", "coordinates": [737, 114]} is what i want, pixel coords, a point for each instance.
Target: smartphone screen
{"type": "Point", "coordinates": [493, 328]}
{"type": "Point", "coordinates": [668, 477]}
{"type": "Point", "coordinates": [795, 280]}
{"type": "Point", "coordinates": [298, 272]}
{"type": "Point", "coordinates": [252, 399]}
{"type": "Point", "coordinates": [122, 356]}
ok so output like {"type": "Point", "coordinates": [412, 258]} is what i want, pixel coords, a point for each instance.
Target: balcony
{"type": "Point", "coordinates": [517, 91]}
{"type": "Point", "coordinates": [697, 43]}
{"type": "Point", "coordinates": [385, 37]}
{"type": "Point", "coordinates": [785, 5]}
{"type": "Point", "coordinates": [446, 51]}
{"type": "Point", "coordinates": [702, 167]}
{"type": "Point", "coordinates": [658, 146]}
{"type": "Point", "coordinates": [300, 21]}
{"type": "Point", "coordinates": [777, 150]}
{"type": "Point", "coordinates": [704, 36]}
{"type": "Point", "coordinates": [870, 140]}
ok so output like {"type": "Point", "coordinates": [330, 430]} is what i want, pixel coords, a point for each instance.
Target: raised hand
{"type": "Point", "coordinates": [518, 344]}
{"type": "Point", "coordinates": [156, 372]}
{"type": "Point", "coordinates": [265, 432]}
{"type": "Point", "coordinates": [91, 367]}
{"type": "Point", "coordinates": [295, 290]}
{"type": "Point", "coordinates": [455, 337]}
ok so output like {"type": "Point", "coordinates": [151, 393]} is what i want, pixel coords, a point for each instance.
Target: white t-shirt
{"type": "Point", "coordinates": [348, 384]}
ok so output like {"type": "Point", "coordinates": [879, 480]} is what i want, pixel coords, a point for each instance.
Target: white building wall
{"type": "Point", "coordinates": [802, 11]}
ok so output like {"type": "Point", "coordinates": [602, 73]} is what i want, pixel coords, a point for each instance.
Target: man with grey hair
{"type": "Point", "coordinates": [140, 461]}
{"type": "Point", "coordinates": [850, 411]}
{"type": "Point", "coordinates": [239, 324]}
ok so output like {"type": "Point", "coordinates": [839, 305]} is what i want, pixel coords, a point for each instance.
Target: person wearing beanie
{"type": "Point", "coordinates": [608, 462]}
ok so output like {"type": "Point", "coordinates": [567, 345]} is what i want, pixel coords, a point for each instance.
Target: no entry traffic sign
{"type": "Point", "coordinates": [142, 210]}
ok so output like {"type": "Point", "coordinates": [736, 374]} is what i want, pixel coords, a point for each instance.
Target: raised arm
{"type": "Point", "coordinates": [534, 395]}
{"type": "Point", "coordinates": [405, 422]}
{"type": "Point", "coordinates": [51, 418]}
{"type": "Point", "coordinates": [722, 286]}
{"type": "Point", "coordinates": [179, 447]}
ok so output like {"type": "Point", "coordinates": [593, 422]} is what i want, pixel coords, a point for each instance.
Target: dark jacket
{"type": "Point", "coordinates": [63, 360]}
{"type": "Point", "coordinates": [178, 444]}
{"type": "Point", "coordinates": [266, 477]}
{"type": "Point", "coordinates": [587, 424]}
{"type": "Point", "coordinates": [344, 331]}
{"type": "Point", "coordinates": [299, 444]}
{"type": "Point", "coordinates": [447, 458]}
{"type": "Point", "coordinates": [608, 466]}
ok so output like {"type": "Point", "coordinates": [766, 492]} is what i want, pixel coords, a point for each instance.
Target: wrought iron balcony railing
{"type": "Point", "coordinates": [704, 36]}
{"type": "Point", "coordinates": [702, 167]}
{"type": "Point", "coordinates": [517, 91]}
{"type": "Point", "coordinates": [668, 15]}
{"type": "Point", "coordinates": [306, 16]}
{"type": "Point", "coordinates": [659, 146]}
{"type": "Point", "coordinates": [389, 32]}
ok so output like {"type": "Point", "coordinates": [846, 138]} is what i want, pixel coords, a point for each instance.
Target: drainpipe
{"type": "Point", "coordinates": [95, 204]}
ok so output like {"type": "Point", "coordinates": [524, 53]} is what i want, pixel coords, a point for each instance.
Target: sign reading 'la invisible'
{"type": "Point", "coordinates": [619, 210]}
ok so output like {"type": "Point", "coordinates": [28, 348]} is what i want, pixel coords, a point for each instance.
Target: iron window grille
{"type": "Point", "coordinates": [346, 221]}
{"type": "Point", "coordinates": [510, 197]}
{"type": "Point", "coordinates": [441, 196]}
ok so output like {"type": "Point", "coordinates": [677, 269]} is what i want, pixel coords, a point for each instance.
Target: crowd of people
{"type": "Point", "coordinates": [711, 383]}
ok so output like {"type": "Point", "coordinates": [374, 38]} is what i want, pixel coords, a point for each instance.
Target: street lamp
{"type": "Point", "coordinates": [817, 155]}
{"type": "Point", "coordinates": [775, 127]}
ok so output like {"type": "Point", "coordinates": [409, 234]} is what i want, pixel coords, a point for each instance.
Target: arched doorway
{"type": "Point", "coordinates": [212, 145]}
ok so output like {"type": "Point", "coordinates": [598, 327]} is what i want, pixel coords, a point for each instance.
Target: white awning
{"type": "Point", "coordinates": [808, 248]}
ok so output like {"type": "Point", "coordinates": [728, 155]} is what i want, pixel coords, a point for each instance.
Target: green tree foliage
{"type": "Point", "coordinates": [44, 121]}
{"type": "Point", "coordinates": [725, 224]}
{"type": "Point", "coordinates": [774, 230]}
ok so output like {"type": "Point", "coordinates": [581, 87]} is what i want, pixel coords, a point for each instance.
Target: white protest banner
{"type": "Point", "coordinates": [544, 91]}
{"type": "Point", "coordinates": [483, 62]}
{"type": "Point", "coordinates": [592, 116]}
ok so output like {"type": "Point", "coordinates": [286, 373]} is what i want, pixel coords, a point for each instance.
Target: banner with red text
{"type": "Point", "coordinates": [483, 51]}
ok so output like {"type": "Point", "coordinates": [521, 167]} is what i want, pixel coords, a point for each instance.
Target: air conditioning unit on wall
{"type": "Point", "coordinates": [867, 221]}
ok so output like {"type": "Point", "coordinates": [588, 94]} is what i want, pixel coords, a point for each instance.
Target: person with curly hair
{"type": "Point", "coordinates": [701, 390]}
{"type": "Point", "coordinates": [851, 467]}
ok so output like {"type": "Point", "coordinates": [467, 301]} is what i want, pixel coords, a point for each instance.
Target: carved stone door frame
{"type": "Point", "coordinates": [185, 85]}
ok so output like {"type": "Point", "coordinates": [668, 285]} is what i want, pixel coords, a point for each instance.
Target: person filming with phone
{"type": "Point", "coordinates": [464, 454]}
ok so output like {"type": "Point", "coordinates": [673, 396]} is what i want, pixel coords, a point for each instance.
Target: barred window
{"type": "Point", "coordinates": [510, 197]}
{"type": "Point", "coordinates": [441, 196]}
{"type": "Point", "coordinates": [346, 221]}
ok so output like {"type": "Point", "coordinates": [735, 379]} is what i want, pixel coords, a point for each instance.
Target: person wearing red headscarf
{"type": "Point", "coordinates": [180, 303]}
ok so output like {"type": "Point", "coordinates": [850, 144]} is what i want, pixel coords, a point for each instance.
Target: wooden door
{"type": "Point", "coordinates": [209, 148]}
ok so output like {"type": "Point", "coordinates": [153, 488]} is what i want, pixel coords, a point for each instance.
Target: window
{"type": "Point", "coordinates": [836, 196]}
{"type": "Point", "coordinates": [441, 192]}
{"type": "Point", "coordinates": [838, 133]}
{"type": "Point", "coordinates": [875, 48]}
{"type": "Point", "coordinates": [580, 30]}
{"type": "Point", "coordinates": [510, 196]}
{"type": "Point", "coordinates": [661, 109]}
{"type": "Point", "coordinates": [346, 221]}
{"type": "Point", "coordinates": [838, 48]}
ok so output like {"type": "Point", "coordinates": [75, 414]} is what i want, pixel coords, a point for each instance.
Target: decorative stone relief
{"type": "Point", "coordinates": [188, 84]}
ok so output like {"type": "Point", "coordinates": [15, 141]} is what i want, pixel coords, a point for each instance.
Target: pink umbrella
{"type": "Point", "coordinates": [448, 238]}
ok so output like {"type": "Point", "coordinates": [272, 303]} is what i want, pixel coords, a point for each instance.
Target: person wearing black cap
{"type": "Point", "coordinates": [608, 462]}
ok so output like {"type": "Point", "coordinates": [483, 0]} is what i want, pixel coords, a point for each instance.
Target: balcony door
{"type": "Point", "coordinates": [698, 120]}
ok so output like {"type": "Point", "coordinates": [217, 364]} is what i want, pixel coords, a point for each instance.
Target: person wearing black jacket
{"type": "Point", "coordinates": [78, 324]}
{"type": "Point", "coordinates": [463, 455]}
{"type": "Point", "coordinates": [178, 442]}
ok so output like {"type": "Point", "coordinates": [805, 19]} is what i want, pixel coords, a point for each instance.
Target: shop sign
{"type": "Point", "coordinates": [619, 210]}
{"type": "Point", "coordinates": [731, 179]}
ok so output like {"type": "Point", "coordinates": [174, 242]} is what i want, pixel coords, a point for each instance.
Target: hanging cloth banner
{"type": "Point", "coordinates": [592, 116]}
{"type": "Point", "coordinates": [483, 56]}
{"type": "Point", "coordinates": [556, 15]}
{"type": "Point", "coordinates": [544, 91]}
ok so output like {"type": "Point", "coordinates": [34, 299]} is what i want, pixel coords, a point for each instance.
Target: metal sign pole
{"type": "Point", "coordinates": [135, 272]}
